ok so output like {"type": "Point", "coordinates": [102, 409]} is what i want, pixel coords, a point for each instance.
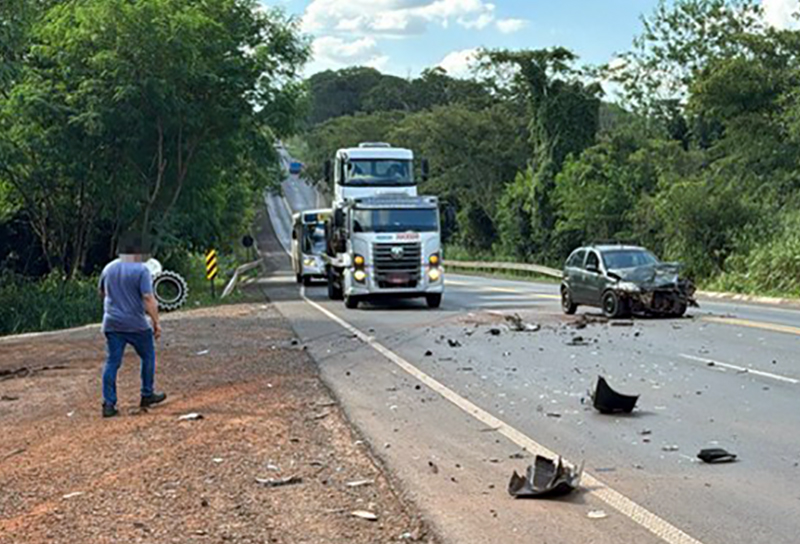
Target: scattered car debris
{"type": "Point", "coordinates": [517, 455]}
{"type": "Point", "coordinates": [72, 495]}
{"type": "Point", "coordinates": [670, 448]}
{"type": "Point", "coordinates": [495, 331]}
{"type": "Point", "coordinates": [578, 341]}
{"type": "Point", "coordinates": [194, 416]}
{"type": "Point", "coordinates": [434, 467]}
{"type": "Point", "coordinates": [716, 455]}
{"type": "Point", "coordinates": [360, 483]}
{"type": "Point", "coordinates": [622, 323]}
{"type": "Point", "coordinates": [279, 482]}
{"type": "Point", "coordinates": [8, 398]}
{"type": "Point", "coordinates": [608, 401]}
{"type": "Point", "coordinates": [516, 323]}
{"type": "Point", "coordinates": [545, 478]}
{"type": "Point", "coordinates": [453, 343]}
{"type": "Point", "coordinates": [364, 514]}
{"type": "Point", "coordinates": [428, 353]}
{"type": "Point", "coordinates": [596, 514]}
{"type": "Point", "coordinates": [202, 352]}
{"type": "Point", "coordinates": [553, 414]}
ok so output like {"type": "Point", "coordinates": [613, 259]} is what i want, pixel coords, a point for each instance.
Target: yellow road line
{"type": "Point", "coordinates": [625, 506]}
{"type": "Point", "coordinates": [503, 290]}
{"type": "Point", "coordinates": [754, 324]}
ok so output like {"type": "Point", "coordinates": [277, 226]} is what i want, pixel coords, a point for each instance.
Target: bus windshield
{"type": "Point", "coordinates": [407, 220]}
{"type": "Point", "coordinates": [314, 239]}
{"type": "Point", "coordinates": [393, 172]}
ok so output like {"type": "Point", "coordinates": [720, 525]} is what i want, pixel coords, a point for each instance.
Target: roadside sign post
{"type": "Point", "coordinates": [212, 269]}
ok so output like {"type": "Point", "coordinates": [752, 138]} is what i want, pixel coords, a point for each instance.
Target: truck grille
{"type": "Point", "coordinates": [393, 272]}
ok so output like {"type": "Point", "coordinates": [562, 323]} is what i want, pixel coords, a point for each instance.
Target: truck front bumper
{"type": "Point", "coordinates": [370, 288]}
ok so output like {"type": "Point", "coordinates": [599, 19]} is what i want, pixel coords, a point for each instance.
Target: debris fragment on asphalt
{"type": "Point", "coordinates": [578, 341]}
{"type": "Point", "coordinates": [716, 455]}
{"type": "Point", "coordinates": [434, 467]}
{"type": "Point", "coordinates": [495, 331]}
{"type": "Point", "coordinates": [279, 482]}
{"type": "Point", "coordinates": [364, 514]}
{"type": "Point", "coordinates": [202, 352]}
{"type": "Point", "coordinates": [360, 483]}
{"type": "Point", "coordinates": [517, 455]}
{"type": "Point", "coordinates": [608, 401]}
{"type": "Point", "coordinates": [194, 416]}
{"type": "Point", "coordinates": [545, 478]}
{"type": "Point", "coordinates": [622, 323]}
{"type": "Point", "coordinates": [428, 353]}
{"type": "Point", "coordinates": [516, 323]}
{"type": "Point", "coordinates": [670, 448]}
{"type": "Point", "coordinates": [596, 514]}
{"type": "Point", "coordinates": [453, 343]}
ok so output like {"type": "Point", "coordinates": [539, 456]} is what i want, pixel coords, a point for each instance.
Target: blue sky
{"type": "Point", "coordinates": [405, 36]}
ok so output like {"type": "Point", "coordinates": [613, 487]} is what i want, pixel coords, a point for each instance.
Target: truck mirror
{"type": "Point", "coordinates": [338, 218]}
{"type": "Point", "coordinates": [426, 170]}
{"type": "Point", "coordinates": [328, 171]}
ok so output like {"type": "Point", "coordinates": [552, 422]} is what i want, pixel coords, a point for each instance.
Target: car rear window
{"type": "Point", "coordinates": [576, 259]}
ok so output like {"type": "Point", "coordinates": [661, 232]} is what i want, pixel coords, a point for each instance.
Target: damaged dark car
{"type": "Point", "coordinates": [624, 280]}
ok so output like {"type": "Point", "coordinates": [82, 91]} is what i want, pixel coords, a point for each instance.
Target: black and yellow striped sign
{"type": "Point", "coordinates": [211, 264]}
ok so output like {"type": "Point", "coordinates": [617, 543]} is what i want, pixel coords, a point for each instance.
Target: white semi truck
{"type": "Point", "coordinates": [382, 239]}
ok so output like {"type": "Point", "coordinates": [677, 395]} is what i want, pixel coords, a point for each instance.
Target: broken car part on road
{"type": "Point", "coordinates": [545, 478]}
{"type": "Point", "coordinates": [608, 401]}
{"type": "Point", "coordinates": [716, 455]}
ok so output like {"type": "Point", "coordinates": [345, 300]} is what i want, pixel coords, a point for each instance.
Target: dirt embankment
{"type": "Point", "coordinates": [66, 475]}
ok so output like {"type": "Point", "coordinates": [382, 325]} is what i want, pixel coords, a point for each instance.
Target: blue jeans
{"type": "Point", "coordinates": [144, 345]}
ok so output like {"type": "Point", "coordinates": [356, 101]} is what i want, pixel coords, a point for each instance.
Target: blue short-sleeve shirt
{"type": "Point", "coordinates": [124, 285]}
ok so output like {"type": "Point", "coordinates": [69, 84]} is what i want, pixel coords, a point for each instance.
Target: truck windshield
{"type": "Point", "coordinates": [395, 221]}
{"type": "Point", "coordinates": [628, 258]}
{"type": "Point", "coordinates": [366, 172]}
{"type": "Point", "coordinates": [314, 242]}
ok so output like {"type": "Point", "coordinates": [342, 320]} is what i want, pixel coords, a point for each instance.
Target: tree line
{"type": "Point", "coordinates": [697, 159]}
{"type": "Point", "coordinates": [157, 116]}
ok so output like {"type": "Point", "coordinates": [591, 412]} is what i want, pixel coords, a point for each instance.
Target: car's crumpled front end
{"type": "Point", "coordinates": [655, 289]}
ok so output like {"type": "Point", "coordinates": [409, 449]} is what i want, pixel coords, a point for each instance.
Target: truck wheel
{"type": "Point", "coordinates": [307, 281]}
{"type": "Point", "coordinates": [434, 300]}
{"type": "Point", "coordinates": [613, 305]}
{"type": "Point", "coordinates": [351, 302]}
{"type": "Point", "coordinates": [567, 305]}
{"type": "Point", "coordinates": [298, 278]}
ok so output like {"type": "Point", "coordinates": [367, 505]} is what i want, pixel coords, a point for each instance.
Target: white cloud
{"type": "Point", "coordinates": [331, 52]}
{"type": "Point", "coordinates": [394, 17]}
{"type": "Point", "coordinates": [460, 63]}
{"type": "Point", "coordinates": [780, 13]}
{"type": "Point", "coordinates": [509, 26]}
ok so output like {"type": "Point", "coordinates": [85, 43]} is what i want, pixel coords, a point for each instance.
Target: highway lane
{"type": "Point", "coordinates": [536, 382]}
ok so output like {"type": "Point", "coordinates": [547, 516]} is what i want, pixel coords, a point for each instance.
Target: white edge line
{"type": "Point", "coordinates": [638, 514]}
{"type": "Point", "coordinates": [741, 369]}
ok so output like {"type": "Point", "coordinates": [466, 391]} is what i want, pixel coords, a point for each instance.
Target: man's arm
{"type": "Point", "coordinates": [151, 309]}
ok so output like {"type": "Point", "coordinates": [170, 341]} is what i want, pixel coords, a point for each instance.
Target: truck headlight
{"type": "Point", "coordinates": [308, 262]}
{"type": "Point", "coordinates": [360, 276]}
{"type": "Point", "coordinates": [434, 274]}
{"type": "Point", "coordinates": [434, 259]}
{"type": "Point", "coordinates": [358, 260]}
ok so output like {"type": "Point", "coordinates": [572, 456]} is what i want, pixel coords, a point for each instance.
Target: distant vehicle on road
{"type": "Point", "coordinates": [623, 279]}
{"type": "Point", "coordinates": [295, 167]}
{"type": "Point", "coordinates": [308, 245]}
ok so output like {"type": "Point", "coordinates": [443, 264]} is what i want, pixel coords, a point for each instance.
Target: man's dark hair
{"type": "Point", "coordinates": [133, 243]}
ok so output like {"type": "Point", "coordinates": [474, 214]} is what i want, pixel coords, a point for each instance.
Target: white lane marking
{"type": "Point", "coordinates": [625, 506]}
{"type": "Point", "coordinates": [741, 369]}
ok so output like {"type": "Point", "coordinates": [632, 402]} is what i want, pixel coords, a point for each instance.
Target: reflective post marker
{"type": "Point", "coordinates": [212, 269]}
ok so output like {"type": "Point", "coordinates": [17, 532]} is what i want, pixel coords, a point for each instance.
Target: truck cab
{"type": "Point", "coordinates": [373, 169]}
{"type": "Point", "coordinates": [388, 247]}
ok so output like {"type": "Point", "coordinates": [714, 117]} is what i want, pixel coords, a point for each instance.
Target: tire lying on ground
{"type": "Point", "coordinates": [170, 290]}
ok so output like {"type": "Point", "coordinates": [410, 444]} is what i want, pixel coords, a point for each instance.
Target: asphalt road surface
{"type": "Point", "coordinates": [451, 408]}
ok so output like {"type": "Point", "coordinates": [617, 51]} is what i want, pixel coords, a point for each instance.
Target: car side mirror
{"type": "Point", "coordinates": [426, 169]}
{"type": "Point", "coordinates": [328, 171]}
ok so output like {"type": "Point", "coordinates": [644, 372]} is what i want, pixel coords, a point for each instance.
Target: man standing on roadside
{"type": "Point", "coordinates": [127, 290]}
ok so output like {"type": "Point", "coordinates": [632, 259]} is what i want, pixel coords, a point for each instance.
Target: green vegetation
{"type": "Point", "coordinates": [157, 116]}
{"type": "Point", "coordinates": [698, 161]}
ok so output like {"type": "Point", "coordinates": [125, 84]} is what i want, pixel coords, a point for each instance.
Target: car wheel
{"type": "Point", "coordinates": [567, 304]}
{"type": "Point", "coordinates": [350, 302]}
{"type": "Point", "coordinates": [434, 301]}
{"type": "Point", "coordinates": [680, 309]}
{"type": "Point", "coordinates": [613, 306]}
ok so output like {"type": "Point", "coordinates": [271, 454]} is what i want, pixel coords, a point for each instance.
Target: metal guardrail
{"type": "Point", "coordinates": [237, 274]}
{"type": "Point", "coordinates": [516, 267]}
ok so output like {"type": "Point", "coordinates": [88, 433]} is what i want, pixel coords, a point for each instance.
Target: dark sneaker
{"type": "Point", "coordinates": [109, 410]}
{"type": "Point", "coordinates": [155, 398]}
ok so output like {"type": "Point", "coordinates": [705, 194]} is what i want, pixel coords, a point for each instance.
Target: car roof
{"type": "Point", "coordinates": [613, 247]}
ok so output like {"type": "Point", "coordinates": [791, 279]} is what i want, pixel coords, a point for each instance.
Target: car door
{"type": "Point", "coordinates": [594, 279]}
{"type": "Point", "coordinates": [573, 273]}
